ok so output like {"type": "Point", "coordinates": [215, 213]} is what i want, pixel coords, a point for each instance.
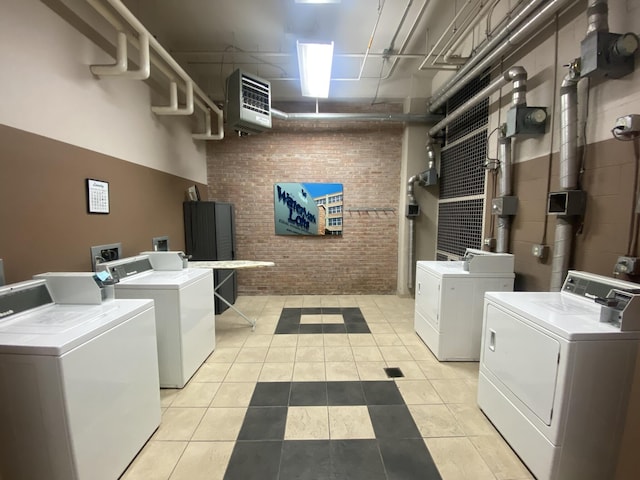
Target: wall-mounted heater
{"type": "Point", "coordinates": [248, 103]}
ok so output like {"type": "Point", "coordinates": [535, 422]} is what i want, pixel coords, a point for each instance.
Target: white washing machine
{"type": "Point", "coordinates": [184, 303]}
{"type": "Point", "coordinates": [449, 297]}
{"type": "Point", "coordinates": [79, 392]}
{"type": "Point", "coordinates": [555, 380]}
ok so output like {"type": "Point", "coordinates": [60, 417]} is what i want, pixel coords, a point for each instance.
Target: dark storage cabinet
{"type": "Point", "coordinates": [210, 235]}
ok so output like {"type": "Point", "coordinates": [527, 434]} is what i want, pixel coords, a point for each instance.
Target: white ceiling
{"type": "Point", "coordinates": [211, 38]}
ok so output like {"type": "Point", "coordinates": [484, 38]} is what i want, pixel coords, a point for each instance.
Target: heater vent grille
{"type": "Point", "coordinates": [460, 226]}
{"type": "Point", "coordinates": [248, 103]}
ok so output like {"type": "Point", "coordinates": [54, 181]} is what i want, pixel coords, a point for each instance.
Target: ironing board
{"type": "Point", "coordinates": [231, 265]}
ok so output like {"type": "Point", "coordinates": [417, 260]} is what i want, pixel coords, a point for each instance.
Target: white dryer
{"type": "Point", "coordinates": [449, 297]}
{"type": "Point", "coordinates": [184, 303]}
{"type": "Point", "coordinates": [79, 392]}
{"type": "Point", "coordinates": [555, 380]}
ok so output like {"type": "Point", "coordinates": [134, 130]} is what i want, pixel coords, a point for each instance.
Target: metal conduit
{"type": "Point", "coordinates": [497, 47]}
{"type": "Point", "coordinates": [516, 74]}
{"type": "Point", "coordinates": [504, 189]}
{"type": "Point", "coordinates": [380, 117]}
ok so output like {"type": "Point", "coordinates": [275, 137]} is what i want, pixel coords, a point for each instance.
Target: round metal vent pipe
{"type": "Point", "coordinates": [568, 177]}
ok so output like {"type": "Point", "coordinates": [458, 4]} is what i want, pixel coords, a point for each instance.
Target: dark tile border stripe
{"type": "Point", "coordinates": [289, 321]}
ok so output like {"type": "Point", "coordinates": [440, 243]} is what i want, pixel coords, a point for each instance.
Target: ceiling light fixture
{"type": "Point", "coordinates": [314, 62]}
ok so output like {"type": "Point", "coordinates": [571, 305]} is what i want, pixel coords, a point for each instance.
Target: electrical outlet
{"type": "Point", "coordinates": [105, 253]}
{"type": "Point", "coordinates": [539, 250]}
{"type": "Point", "coordinates": [626, 265]}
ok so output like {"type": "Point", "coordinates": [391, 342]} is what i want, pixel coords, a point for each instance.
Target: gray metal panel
{"type": "Point", "coordinates": [2, 280]}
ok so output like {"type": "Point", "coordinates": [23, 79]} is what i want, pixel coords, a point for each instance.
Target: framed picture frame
{"type": "Point", "coordinates": [97, 196]}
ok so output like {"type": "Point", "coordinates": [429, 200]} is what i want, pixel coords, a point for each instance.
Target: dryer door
{"type": "Point", "coordinates": [523, 358]}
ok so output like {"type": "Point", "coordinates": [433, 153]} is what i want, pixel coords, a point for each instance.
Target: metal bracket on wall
{"type": "Point", "coordinates": [370, 209]}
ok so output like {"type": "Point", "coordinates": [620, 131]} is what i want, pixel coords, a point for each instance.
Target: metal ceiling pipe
{"type": "Point", "coordinates": [504, 189]}
{"type": "Point", "coordinates": [497, 46]}
{"type": "Point", "coordinates": [598, 16]}
{"type": "Point", "coordinates": [568, 176]}
{"type": "Point", "coordinates": [446, 30]}
{"type": "Point", "coordinates": [377, 117]}
{"type": "Point", "coordinates": [468, 19]}
{"type": "Point", "coordinates": [462, 35]}
{"type": "Point", "coordinates": [517, 75]}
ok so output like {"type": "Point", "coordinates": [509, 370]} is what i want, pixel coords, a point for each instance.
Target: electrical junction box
{"type": "Point", "coordinates": [627, 266]}
{"type": "Point", "coordinates": [600, 57]}
{"type": "Point", "coordinates": [504, 206]}
{"type": "Point", "coordinates": [523, 120]}
{"type": "Point", "coordinates": [568, 203]}
{"type": "Point", "coordinates": [413, 210]}
{"type": "Point", "coordinates": [539, 251]}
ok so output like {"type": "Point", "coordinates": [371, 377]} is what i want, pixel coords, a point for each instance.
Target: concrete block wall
{"type": "Point", "coordinates": [364, 156]}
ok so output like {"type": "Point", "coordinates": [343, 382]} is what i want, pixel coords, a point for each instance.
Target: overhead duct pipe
{"type": "Point", "coordinates": [202, 100]}
{"type": "Point", "coordinates": [598, 16]}
{"type": "Point", "coordinates": [350, 117]}
{"type": "Point", "coordinates": [524, 23]}
{"type": "Point", "coordinates": [504, 190]}
{"type": "Point", "coordinates": [568, 175]}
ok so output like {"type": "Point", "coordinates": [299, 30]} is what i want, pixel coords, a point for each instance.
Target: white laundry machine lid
{"type": "Point", "coordinates": [56, 329]}
{"type": "Point", "coordinates": [456, 269]}
{"type": "Point", "coordinates": [571, 318]}
{"type": "Point", "coordinates": [165, 279]}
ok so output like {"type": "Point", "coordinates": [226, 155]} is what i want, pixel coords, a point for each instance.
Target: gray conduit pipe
{"type": "Point", "coordinates": [568, 176]}
{"type": "Point", "coordinates": [504, 188]}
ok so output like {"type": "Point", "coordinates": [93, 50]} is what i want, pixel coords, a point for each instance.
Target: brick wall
{"type": "Point", "coordinates": [364, 156]}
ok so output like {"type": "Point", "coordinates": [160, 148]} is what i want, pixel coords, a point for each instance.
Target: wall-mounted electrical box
{"type": "Point", "coordinates": [568, 203]}
{"type": "Point", "coordinates": [248, 103]}
{"type": "Point", "coordinates": [504, 206]}
{"type": "Point", "coordinates": [105, 253]}
{"type": "Point", "coordinates": [539, 251]}
{"type": "Point", "coordinates": [523, 120]}
{"type": "Point", "coordinates": [413, 210]}
{"type": "Point", "coordinates": [605, 54]}
{"type": "Point", "coordinates": [160, 244]}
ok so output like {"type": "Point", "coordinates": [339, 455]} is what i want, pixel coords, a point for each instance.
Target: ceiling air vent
{"type": "Point", "coordinates": [248, 103]}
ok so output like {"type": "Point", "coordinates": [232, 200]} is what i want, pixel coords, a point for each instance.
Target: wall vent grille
{"type": "Point", "coordinates": [462, 176]}
{"type": "Point", "coordinates": [462, 167]}
{"type": "Point", "coordinates": [460, 226]}
{"type": "Point", "coordinates": [248, 103]}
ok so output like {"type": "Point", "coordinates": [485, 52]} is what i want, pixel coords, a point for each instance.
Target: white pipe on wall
{"type": "Point", "coordinates": [120, 68]}
{"type": "Point", "coordinates": [203, 101]}
{"type": "Point", "coordinates": [173, 108]}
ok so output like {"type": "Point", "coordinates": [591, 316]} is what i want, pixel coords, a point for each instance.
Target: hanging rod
{"type": "Point", "coordinates": [370, 209]}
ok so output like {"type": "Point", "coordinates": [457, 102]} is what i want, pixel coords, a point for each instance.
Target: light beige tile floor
{"type": "Point", "coordinates": [201, 422]}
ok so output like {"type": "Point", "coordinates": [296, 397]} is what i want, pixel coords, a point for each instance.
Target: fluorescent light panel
{"type": "Point", "coordinates": [318, 1]}
{"type": "Point", "coordinates": [314, 63]}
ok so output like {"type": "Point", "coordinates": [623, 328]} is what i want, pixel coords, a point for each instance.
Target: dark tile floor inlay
{"type": "Point", "coordinates": [289, 321]}
{"type": "Point", "coordinates": [397, 452]}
